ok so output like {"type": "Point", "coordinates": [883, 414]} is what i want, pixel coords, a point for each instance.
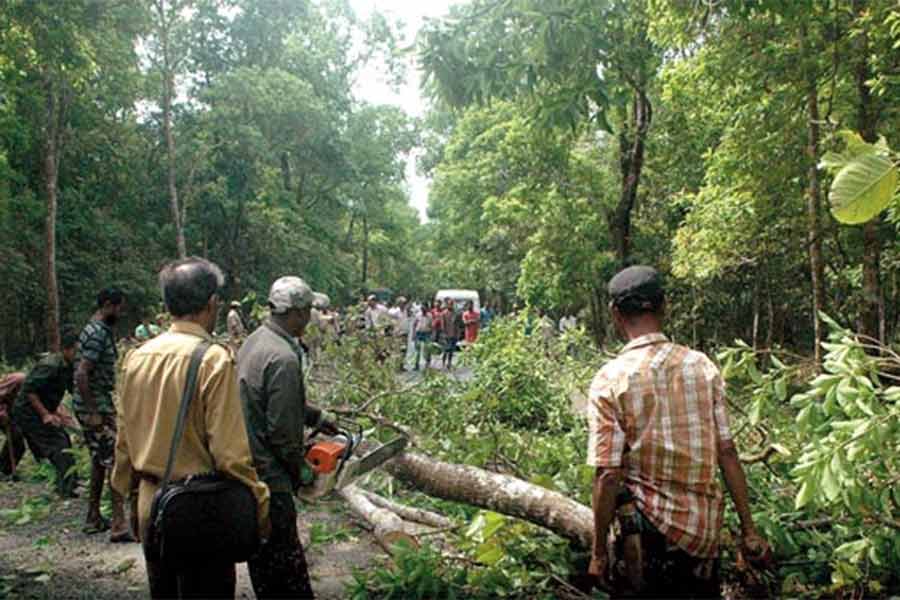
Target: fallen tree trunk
{"type": "Point", "coordinates": [493, 491]}
{"type": "Point", "coordinates": [387, 526]}
{"type": "Point", "coordinates": [409, 513]}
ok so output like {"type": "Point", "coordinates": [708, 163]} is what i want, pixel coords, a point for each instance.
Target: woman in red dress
{"type": "Point", "coordinates": [471, 319]}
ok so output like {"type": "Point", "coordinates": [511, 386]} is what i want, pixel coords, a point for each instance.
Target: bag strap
{"type": "Point", "coordinates": [190, 386]}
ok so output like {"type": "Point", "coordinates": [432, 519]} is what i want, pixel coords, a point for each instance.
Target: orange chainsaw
{"type": "Point", "coordinates": [331, 463]}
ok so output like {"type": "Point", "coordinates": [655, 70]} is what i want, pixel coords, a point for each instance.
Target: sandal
{"type": "Point", "coordinates": [92, 527]}
{"type": "Point", "coordinates": [123, 537]}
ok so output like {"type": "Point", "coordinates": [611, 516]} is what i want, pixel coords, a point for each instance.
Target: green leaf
{"type": "Point", "coordinates": [489, 553]}
{"type": "Point", "coordinates": [830, 484]}
{"type": "Point", "coordinates": [756, 411]}
{"type": "Point", "coordinates": [863, 188]}
{"type": "Point", "coordinates": [754, 373]}
{"type": "Point", "coordinates": [781, 389]}
{"type": "Point", "coordinates": [806, 493]}
{"type": "Point", "coordinates": [852, 550]}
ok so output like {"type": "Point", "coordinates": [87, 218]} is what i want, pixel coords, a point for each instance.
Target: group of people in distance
{"type": "Point", "coordinates": [422, 328]}
{"type": "Point", "coordinates": [657, 430]}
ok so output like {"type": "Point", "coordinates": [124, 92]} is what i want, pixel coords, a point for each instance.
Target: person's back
{"type": "Point", "coordinates": [669, 399]}
{"type": "Point", "coordinates": [658, 435]}
{"type": "Point", "coordinates": [214, 437]}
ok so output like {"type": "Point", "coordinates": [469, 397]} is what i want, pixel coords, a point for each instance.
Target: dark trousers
{"type": "Point", "coordinates": [279, 570]}
{"type": "Point", "coordinates": [669, 572]}
{"type": "Point", "coordinates": [13, 451]}
{"type": "Point", "coordinates": [46, 442]}
{"type": "Point", "coordinates": [212, 579]}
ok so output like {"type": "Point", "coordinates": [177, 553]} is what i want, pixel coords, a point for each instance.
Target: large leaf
{"type": "Point", "coordinates": [863, 188]}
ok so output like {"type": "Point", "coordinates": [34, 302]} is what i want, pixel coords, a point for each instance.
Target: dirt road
{"type": "Point", "coordinates": [45, 555]}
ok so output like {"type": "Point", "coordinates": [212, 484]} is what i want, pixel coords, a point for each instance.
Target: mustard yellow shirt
{"type": "Point", "coordinates": [215, 437]}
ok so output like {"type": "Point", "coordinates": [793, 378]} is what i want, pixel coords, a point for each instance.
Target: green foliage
{"type": "Point", "coordinates": [520, 382]}
{"type": "Point", "coordinates": [323, 533]}
{"type": "Point", "coordinates": [830, 495]}
{"type": "Point", "coordinates": [30, 510]}
{"type": "Point", "coordinates": [417, 573]}
{"type": "Point", "coordinates": [865, 182]}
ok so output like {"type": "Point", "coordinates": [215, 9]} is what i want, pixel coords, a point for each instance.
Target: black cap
{"type": "Point", "coordinates": [637, 288]}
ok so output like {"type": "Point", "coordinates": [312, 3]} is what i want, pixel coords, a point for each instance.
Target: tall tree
{"type": "Point", "coordinates": [56, 52]}
{"type": "Point", "coordinates": [576, 61]}
{"type": "Point", "coordinates": [168, 55]}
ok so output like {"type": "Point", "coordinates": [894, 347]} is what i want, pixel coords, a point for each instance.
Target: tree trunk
{"type": "Point", "coordinates": [168, 78]}
{"type": "Point", "coordinates": [631, 162]}
{"type": "Point", "coordinates": [50, 172]}
{"type": "Point", "coordinates": [814, 203]}
{"type": "Point", "coordinates": [500, 493]}
{"type": "Point", "coordinates": [365, 254]}
{"type": "Point", "coordinates": [52, 130]}
{"type": "Point", "coordinates": [867, 123]}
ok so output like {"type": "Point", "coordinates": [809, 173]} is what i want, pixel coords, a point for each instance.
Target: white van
{"type": "Point", "coordinates": [459, 297]}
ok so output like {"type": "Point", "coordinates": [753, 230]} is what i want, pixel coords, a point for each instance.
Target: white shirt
{"type": "Point", "coordinates": [377, 317]}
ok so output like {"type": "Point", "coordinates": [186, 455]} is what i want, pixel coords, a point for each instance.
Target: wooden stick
{"type": "Point", "coordinates": [409, 513]}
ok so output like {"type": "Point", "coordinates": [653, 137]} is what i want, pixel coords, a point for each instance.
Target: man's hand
{"type": "Point", "coordinates": [51, 419]}
{"type": "Point", "coordinates": [93, 419]}
{"type": "Point", "coordinates": [328, 427]}
{"type": "Point", "coordinates": [597, 572]}
{"type": "Point", "coordinates": [756, 550]}
{"type": "Point", "coordinates": [66, 420]}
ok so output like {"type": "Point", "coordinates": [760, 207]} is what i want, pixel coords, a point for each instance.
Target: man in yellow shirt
{"type": "Point", "coordinates": [215, 437]}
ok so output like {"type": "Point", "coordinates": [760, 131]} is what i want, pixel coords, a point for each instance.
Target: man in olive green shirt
{"type": "Point", "coordinates": [274, 402]}
{"type": "Point", "coordinates": [39, 416]}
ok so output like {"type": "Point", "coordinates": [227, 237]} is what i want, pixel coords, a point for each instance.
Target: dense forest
{"type": "Point", "coordinates": [746, 148]}
{"type": "Point", "coordinates": [688, 135]}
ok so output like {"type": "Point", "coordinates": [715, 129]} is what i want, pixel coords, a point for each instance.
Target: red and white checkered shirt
{"type": "Point", "coordinates": [658, 411]}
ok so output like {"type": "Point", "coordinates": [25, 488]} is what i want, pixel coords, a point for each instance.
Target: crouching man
{"type": "Point", "coordinates": [214, 437]}
{"type": "Point", "coordinates": [39, 416]}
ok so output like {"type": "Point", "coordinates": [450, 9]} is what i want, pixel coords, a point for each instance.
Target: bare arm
{"type": "Point", "coordinates": [736, 482]}
{"type": "Point", "coordinates": [83, 383]}
{"type": "Point", "coordinates": [38, 406]}
{"type": "Point", "coordinates": [607, 482]}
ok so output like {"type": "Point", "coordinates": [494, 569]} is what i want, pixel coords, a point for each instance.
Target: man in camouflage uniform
{"type": "Point", "coordinates": [275, 409]}
{"type": "Point", "coordinates": [39, 417]}
{"type": "Point", "coordinates": [95, 379]}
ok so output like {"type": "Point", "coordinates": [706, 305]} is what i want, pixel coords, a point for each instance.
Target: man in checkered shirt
{"type": "Point", "coordinates": [658, 429]}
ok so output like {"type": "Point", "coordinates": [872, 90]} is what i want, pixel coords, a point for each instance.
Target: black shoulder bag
{"type": "Point", "coordinates": [201, 515]}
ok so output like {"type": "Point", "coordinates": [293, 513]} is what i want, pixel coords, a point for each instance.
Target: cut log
{"type": "Point", "coordinates": [493, 491]}
{"type": "Point", "coordinates": [409, 513]}
{"type": "Point", "coordinates": [387, 526]}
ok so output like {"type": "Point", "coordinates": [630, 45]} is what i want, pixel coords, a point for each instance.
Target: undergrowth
{"type": "Point", "coordinates": [823, 486]}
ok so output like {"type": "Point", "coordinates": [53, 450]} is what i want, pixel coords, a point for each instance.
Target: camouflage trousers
{"type": "Point", "coordinates": [279, 570]}
{"type": "Point", "coordinates": [100, 439]}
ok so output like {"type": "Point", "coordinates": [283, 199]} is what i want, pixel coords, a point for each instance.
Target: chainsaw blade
{"type": "Point", "coordinates": [355, 469]}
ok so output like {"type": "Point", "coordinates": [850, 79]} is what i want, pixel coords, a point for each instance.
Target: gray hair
{"type": "Point", "coordinates": [187, 284]}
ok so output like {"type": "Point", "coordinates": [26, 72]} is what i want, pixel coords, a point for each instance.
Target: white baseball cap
{"type": "Point", "coordinates": [321, 301]}
{"type": "Point", "coordinates": [290, 292]}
